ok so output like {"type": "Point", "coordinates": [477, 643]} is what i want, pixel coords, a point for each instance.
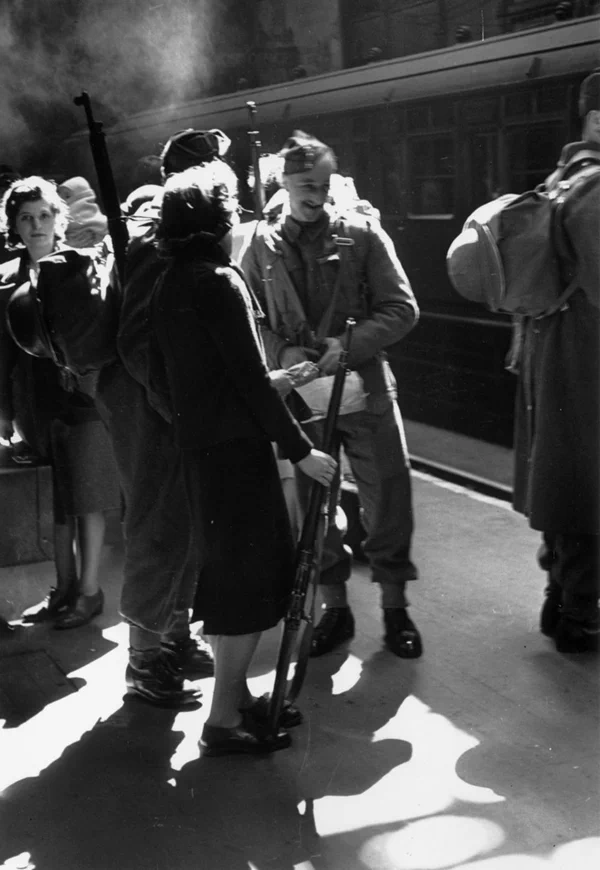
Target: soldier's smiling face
{"type": "Point", "coordinates": [308, 190]}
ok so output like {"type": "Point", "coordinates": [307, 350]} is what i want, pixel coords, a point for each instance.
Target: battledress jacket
{"type": "Point", "coordinates": [219, 385]}
{"type": "Point", "coordinates": [557, 471]}
{"type": "Point", "coordinates": [373, 289]}
{"type": "Point", "coordinates": [135, 339]}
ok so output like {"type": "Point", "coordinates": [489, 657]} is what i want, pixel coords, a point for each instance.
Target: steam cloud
{"type": "Point", "coordinates": [128, 54]}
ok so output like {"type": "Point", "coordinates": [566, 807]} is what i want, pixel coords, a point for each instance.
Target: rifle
{"type": "Point", "coordinates": [308, 558]}
{"type": "Point", "coordinates": [255, 145]}
{"type": "Point", "coordinates": [106, 184]}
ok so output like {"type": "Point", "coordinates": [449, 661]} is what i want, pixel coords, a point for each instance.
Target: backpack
{"type": "Point", "coordinates": [513, 255]}
{"type": "Point", "coordinates": [70, 313]}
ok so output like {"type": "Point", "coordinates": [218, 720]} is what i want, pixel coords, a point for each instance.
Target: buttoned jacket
{"type": "Point", "coordinates": [353, 252]}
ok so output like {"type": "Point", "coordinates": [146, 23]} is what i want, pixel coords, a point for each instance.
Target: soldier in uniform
{"type": "Point", "coordinates": [557, 470]}
{"type": "Point", "coordinates": [311, 267]}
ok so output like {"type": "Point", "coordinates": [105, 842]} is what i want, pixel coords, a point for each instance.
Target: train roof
{"type": "Point", "coordinates": [555, 50]}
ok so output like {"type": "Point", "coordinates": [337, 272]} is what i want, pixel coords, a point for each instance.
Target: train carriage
{"type": "Point", "coordinates": [427, 138]}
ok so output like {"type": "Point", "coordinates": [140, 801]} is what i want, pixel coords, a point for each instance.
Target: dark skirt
{"type": "Point", "coordinates": [84, 470]}
{"type": "Point", "coordinates": [244, 538]}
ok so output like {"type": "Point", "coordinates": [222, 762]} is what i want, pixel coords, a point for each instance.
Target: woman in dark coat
{"type": "Point", "coordinates": [226, 413]}
{"type": "Point", "coordinates": [59, 424]}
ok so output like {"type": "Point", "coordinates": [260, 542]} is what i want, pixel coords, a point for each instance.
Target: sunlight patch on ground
{"type": "Point", "coordinates": [34, 745]}
{"type": "Point", "coordinates": [432, 844]}
{"type": "Point", "coordinates": [582, 854]}
{"type": "Point", "coordinates": [437, 745]}
{"type": "Point", "coordinates": [189, 723]}
{"type": "Point", "coordinates": [424, 785]}
{"type": "Point", "coordinates": [508, 862]}
{"type": "Point", "coordinates": [19, 862]}
{"type": "Point", "coordinates": [578, 855]}
{"type": "Point", "coordinates": [347, 676]}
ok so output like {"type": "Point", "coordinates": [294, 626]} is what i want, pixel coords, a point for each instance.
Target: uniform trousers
{"type": "Point", "coordinates": [572, 565]}
{"type": "Point", "coordinates": [375, 446]}
{"type": "Point", "coordinates": [161, 561]}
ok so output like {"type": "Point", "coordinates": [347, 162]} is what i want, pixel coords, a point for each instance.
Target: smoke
{"type": "Point", "coordinates": [129, 55]}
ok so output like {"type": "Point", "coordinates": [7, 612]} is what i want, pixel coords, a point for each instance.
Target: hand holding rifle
{"type": "Point", "coordinates": [308, 558]}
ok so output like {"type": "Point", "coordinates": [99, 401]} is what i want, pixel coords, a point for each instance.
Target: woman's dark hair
{"type": "Point", "coordinates": [30, 190]}
{"type": "Point", "coordinates": [200, 201]}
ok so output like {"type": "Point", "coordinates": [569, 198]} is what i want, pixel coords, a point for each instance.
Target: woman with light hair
{"type": "Point", "coordinates": [58, 420]}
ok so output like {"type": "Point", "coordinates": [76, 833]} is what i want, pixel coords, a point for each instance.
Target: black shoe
{"type": "Point", "coordinates": [56, 602]}
{"type": "Point", "coordinates": [336, 626]}
{"type": "Point", "coordinates": [258, 713]}
{"type": "Point", "coordinates": [240, 740]}
{"type": "Point", "coordinates": [86, 607]}
{"type": "Point", "coordinates": [157, 681]}
{"type": "Point", "coordinates": [572, 636]}
{"type": "Point", "coordinates": [401, 634]}
{"type": "Point", "coordinates": [6, 629]}
{"type": "Point", "coordinates": [192, 655]}
{"type": "Point", "coordinates": [550, 614]}
{"type": "Point", "coordinates": [22, 454]}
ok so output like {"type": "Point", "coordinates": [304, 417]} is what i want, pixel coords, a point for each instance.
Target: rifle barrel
{"type": "Point", "coordinates": [255, 145]}
{"type": "Point", "coordinates": [106, 183]}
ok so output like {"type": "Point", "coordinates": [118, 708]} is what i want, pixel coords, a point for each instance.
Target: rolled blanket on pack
{"type": "Point", "coordinates": [87, 225]}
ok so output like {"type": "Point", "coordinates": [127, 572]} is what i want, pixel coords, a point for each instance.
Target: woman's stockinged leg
{"type": "Point", "coordinates": [233, 654]}
{"type": "Point", "coordinates": [90, 599]}
{"type": "Point", "coordinates": [91, 529]}
{"type": "Point", "coordinates": [64, 554]}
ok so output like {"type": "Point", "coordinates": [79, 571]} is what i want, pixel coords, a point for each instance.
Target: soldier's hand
{"type": "Point", "coordinates": [331, 358]}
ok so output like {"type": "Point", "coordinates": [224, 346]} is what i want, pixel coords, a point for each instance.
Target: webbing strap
{"type": "Point", "coordinates": [559, 197]}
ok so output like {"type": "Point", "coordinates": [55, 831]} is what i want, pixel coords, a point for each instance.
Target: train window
{"type": "Point", "coordinates": [483, 167]}
{"type": "Point", "coordinates": [484, 111]}
{"type": "Point", "coordinates": [393, 195]}
{"type": "Point", "coordinates": [551, 99]}
{"type": "Point", "coordinates": [417, 117]}
{"type": "Point", "coordinates": [518, 104]}
{"type": "Point", "coordinates": [362, 167]}
{"type": "Point", "coordinates": [360, 123]}
{"type": "Point", "coordinates": [431, 174]}
{"type": "Point", "coordinates": [442, 114]}
{"type": "Point", "coordinates": [531, 153]}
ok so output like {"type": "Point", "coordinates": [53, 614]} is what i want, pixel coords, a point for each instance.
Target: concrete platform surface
{"type": "Point", "coordinates": [482, 755]}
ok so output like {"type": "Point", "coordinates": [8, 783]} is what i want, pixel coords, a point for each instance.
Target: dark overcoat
{"type": "Point", "coordinates": [29, 388]}
{"type": "Point", "coordinates": [557, 428]}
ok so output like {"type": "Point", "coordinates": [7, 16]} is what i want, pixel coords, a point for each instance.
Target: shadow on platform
{"type": "Point", "coordinates": [115, 798]}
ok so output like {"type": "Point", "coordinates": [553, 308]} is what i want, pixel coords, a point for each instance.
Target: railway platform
{"type": "Point", "coordinates": [481, 755]}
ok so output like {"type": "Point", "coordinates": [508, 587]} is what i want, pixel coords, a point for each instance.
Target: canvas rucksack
{"type": "Point", "coordinates": [513, 255]}
{"type": "Point", "coordinates": [70, 313]}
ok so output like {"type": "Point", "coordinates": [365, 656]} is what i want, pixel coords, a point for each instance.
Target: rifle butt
{"type": "Point", "coordinates": [278, 696]}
